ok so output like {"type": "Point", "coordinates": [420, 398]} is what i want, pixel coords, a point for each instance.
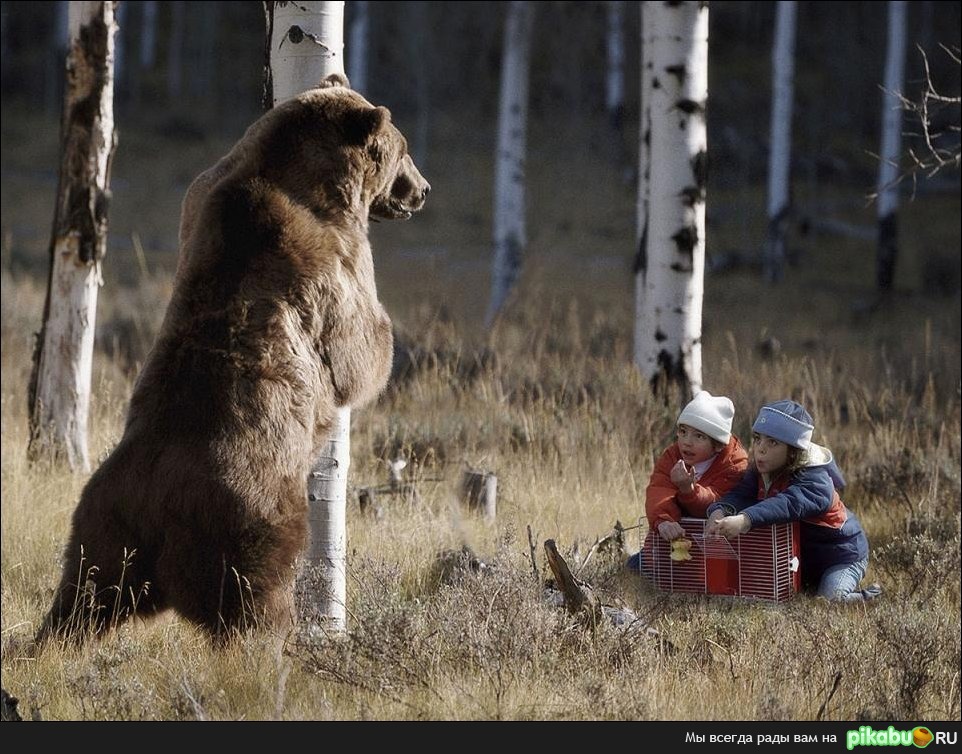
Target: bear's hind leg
{"type": "Point", "coordinates": [92, 599]}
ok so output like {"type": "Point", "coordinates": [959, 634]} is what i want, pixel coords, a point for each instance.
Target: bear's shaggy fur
{"type": "Point", "coordinates": [274, 322]}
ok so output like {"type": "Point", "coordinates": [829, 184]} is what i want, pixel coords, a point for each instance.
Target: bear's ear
{"type": "Point", "coordinates": [334, 79]}
{"type": "Point", "coordinates": [362, 124]}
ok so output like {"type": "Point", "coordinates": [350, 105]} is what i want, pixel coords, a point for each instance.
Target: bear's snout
{"type": "Point", "coordinates": [406, 195]}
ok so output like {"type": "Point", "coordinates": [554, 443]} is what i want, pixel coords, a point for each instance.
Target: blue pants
{"type": "Point", "coordinates": [634, 562]}
{"type": "Point", "coordinates": [840, 583]}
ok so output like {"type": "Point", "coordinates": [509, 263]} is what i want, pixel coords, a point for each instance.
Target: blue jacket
{"type": "Point", "coordinates": [830, 533]}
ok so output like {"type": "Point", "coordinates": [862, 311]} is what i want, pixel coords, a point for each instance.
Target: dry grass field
{"type": "Point", "coordinates": [549, 401]}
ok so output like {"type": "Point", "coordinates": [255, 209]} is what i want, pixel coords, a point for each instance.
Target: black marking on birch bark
{"type": "Point", "coordinates": [670, 370]}
{"type": "Point", "coordinates": [888, 236]}
{"type": "Point", "coordinates": [699, 169]}
{"type": "Point", "coordinates": [678, 310]}
{"type": "Point", "coordinates": [660, 337]}
{"type": "Point", "coordinates": [678, 71]}
{"type": "Point", "coordinates": [285, 3]}
{"type": "Point", "coordinates": [685, 240]}
{"type": "Point", "coordinates": [690, 106]}
{"type": "Point", "coordinates": [691, 195]}
{"type": "Point", "coordinates": [655, 83]}
{"type": "Point", "coordinates": [673, 3]}
{"type": "Point", "coordinates": [679, 267]}
{"type": "Point", "coordinates": [297, 35]}
{"type": "Point", "coordinates": [641, 255]}
{"type": "Point", "coordinates": [646, 137]}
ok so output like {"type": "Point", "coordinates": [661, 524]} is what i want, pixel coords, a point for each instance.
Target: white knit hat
{"type": "Point", "coordinates": [710, 414]}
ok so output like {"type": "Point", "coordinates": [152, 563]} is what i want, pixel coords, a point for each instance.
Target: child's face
{"type": "Point", "coordinates": [693, 445]}
{"type": "Point", "coordinates": [769, 454]}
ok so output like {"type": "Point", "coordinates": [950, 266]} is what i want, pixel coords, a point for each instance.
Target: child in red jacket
{"type": "Point", "coordinates": [705, 461]}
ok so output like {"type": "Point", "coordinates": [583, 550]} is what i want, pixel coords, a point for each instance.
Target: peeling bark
{"type": "Point", "coordinates": [59, 389]}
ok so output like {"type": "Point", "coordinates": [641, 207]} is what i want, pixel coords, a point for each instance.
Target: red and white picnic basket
{"type": "Point", "coordinates": [762, 563]}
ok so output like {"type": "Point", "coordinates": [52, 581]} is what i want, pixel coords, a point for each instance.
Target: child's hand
{"type": "Point", "coordinates": [670, 530]}
{"type": "Point", "coordinates": [729, 526]}
{"type": "Point", "coordinates": [683, 477]}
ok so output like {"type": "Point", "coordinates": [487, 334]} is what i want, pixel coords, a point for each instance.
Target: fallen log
{"type": "Point", "coordinates": [579, 598]}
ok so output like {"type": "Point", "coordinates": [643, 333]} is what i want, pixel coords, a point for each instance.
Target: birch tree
{"type": "Point", "coordinates": [615, 79]}
{"type": "Point", "coordinates": [509, 199]}
{"type": "Point", "coordinates": [59, 392]}
{"type": "Point", "coordinates": [780, 158]}
{"type": "Point", "coordinates": [307, 44]}
{"type": "Point", "coordinates": [358, 49]}
{"type": "Point", "coordinates": [671, 267]}
{"type": "Point", "coordinates": [644, 167]}
{"type": "Point", "coordinates": [888, 174]}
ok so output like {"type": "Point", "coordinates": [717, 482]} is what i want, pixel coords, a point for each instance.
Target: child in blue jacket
{"type": "Point", "coordinates": [790, 478]}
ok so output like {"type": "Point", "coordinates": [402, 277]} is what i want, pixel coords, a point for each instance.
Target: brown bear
{"type": "Point", "coordinates": [273, 323]}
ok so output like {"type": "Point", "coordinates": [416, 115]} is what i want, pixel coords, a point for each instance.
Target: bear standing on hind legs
{"type": "Point", "coordinates": [273, 323]}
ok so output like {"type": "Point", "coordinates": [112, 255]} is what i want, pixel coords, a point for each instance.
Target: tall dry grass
{"type": "Point", "coordinates": [550, 402]}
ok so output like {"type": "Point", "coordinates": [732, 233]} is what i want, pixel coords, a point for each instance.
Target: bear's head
{"type": "Point", "coordinates": [332, 150]}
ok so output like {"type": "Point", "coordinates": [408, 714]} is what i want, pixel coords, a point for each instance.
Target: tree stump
{"type": "Point", "coordinates": [479, 491]}
{"type": "Point", "coordinates": [578, 596]}
{"type": "Point", "coordinates": [10, 713]}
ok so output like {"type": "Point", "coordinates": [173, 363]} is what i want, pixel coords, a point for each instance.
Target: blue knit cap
{"type": "Point", "coordinates": [787, 422]}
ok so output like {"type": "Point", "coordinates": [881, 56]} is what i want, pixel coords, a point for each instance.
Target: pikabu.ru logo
{"type": "Point", "coordinates": [920, 736]}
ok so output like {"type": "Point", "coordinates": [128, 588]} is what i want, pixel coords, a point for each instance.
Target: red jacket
{"type": "Point", "coordinates": [663, 501]}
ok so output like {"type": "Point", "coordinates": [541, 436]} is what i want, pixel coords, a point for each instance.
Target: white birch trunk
{"type": "Point", "coordinates": [888, 192]}
{"type": "Point", "coordinates": [779, 162]}
{"type": "Point", "coordinates": [60, 381]}
{"type": "Point", "coordinates": [509, 200]}
{"type": "Point", "coordinates": [148, 34]}
{"type": "Point", "coordinates": [615, 80]}
{"type": "Point", "coordinates": [357, 67]}
{"type": "Point", "coordinates": [644, 140]}
{"type": "Point", "coordinates": [307, 44]}
{"type": "Point", "coordinates": [673, 278]}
